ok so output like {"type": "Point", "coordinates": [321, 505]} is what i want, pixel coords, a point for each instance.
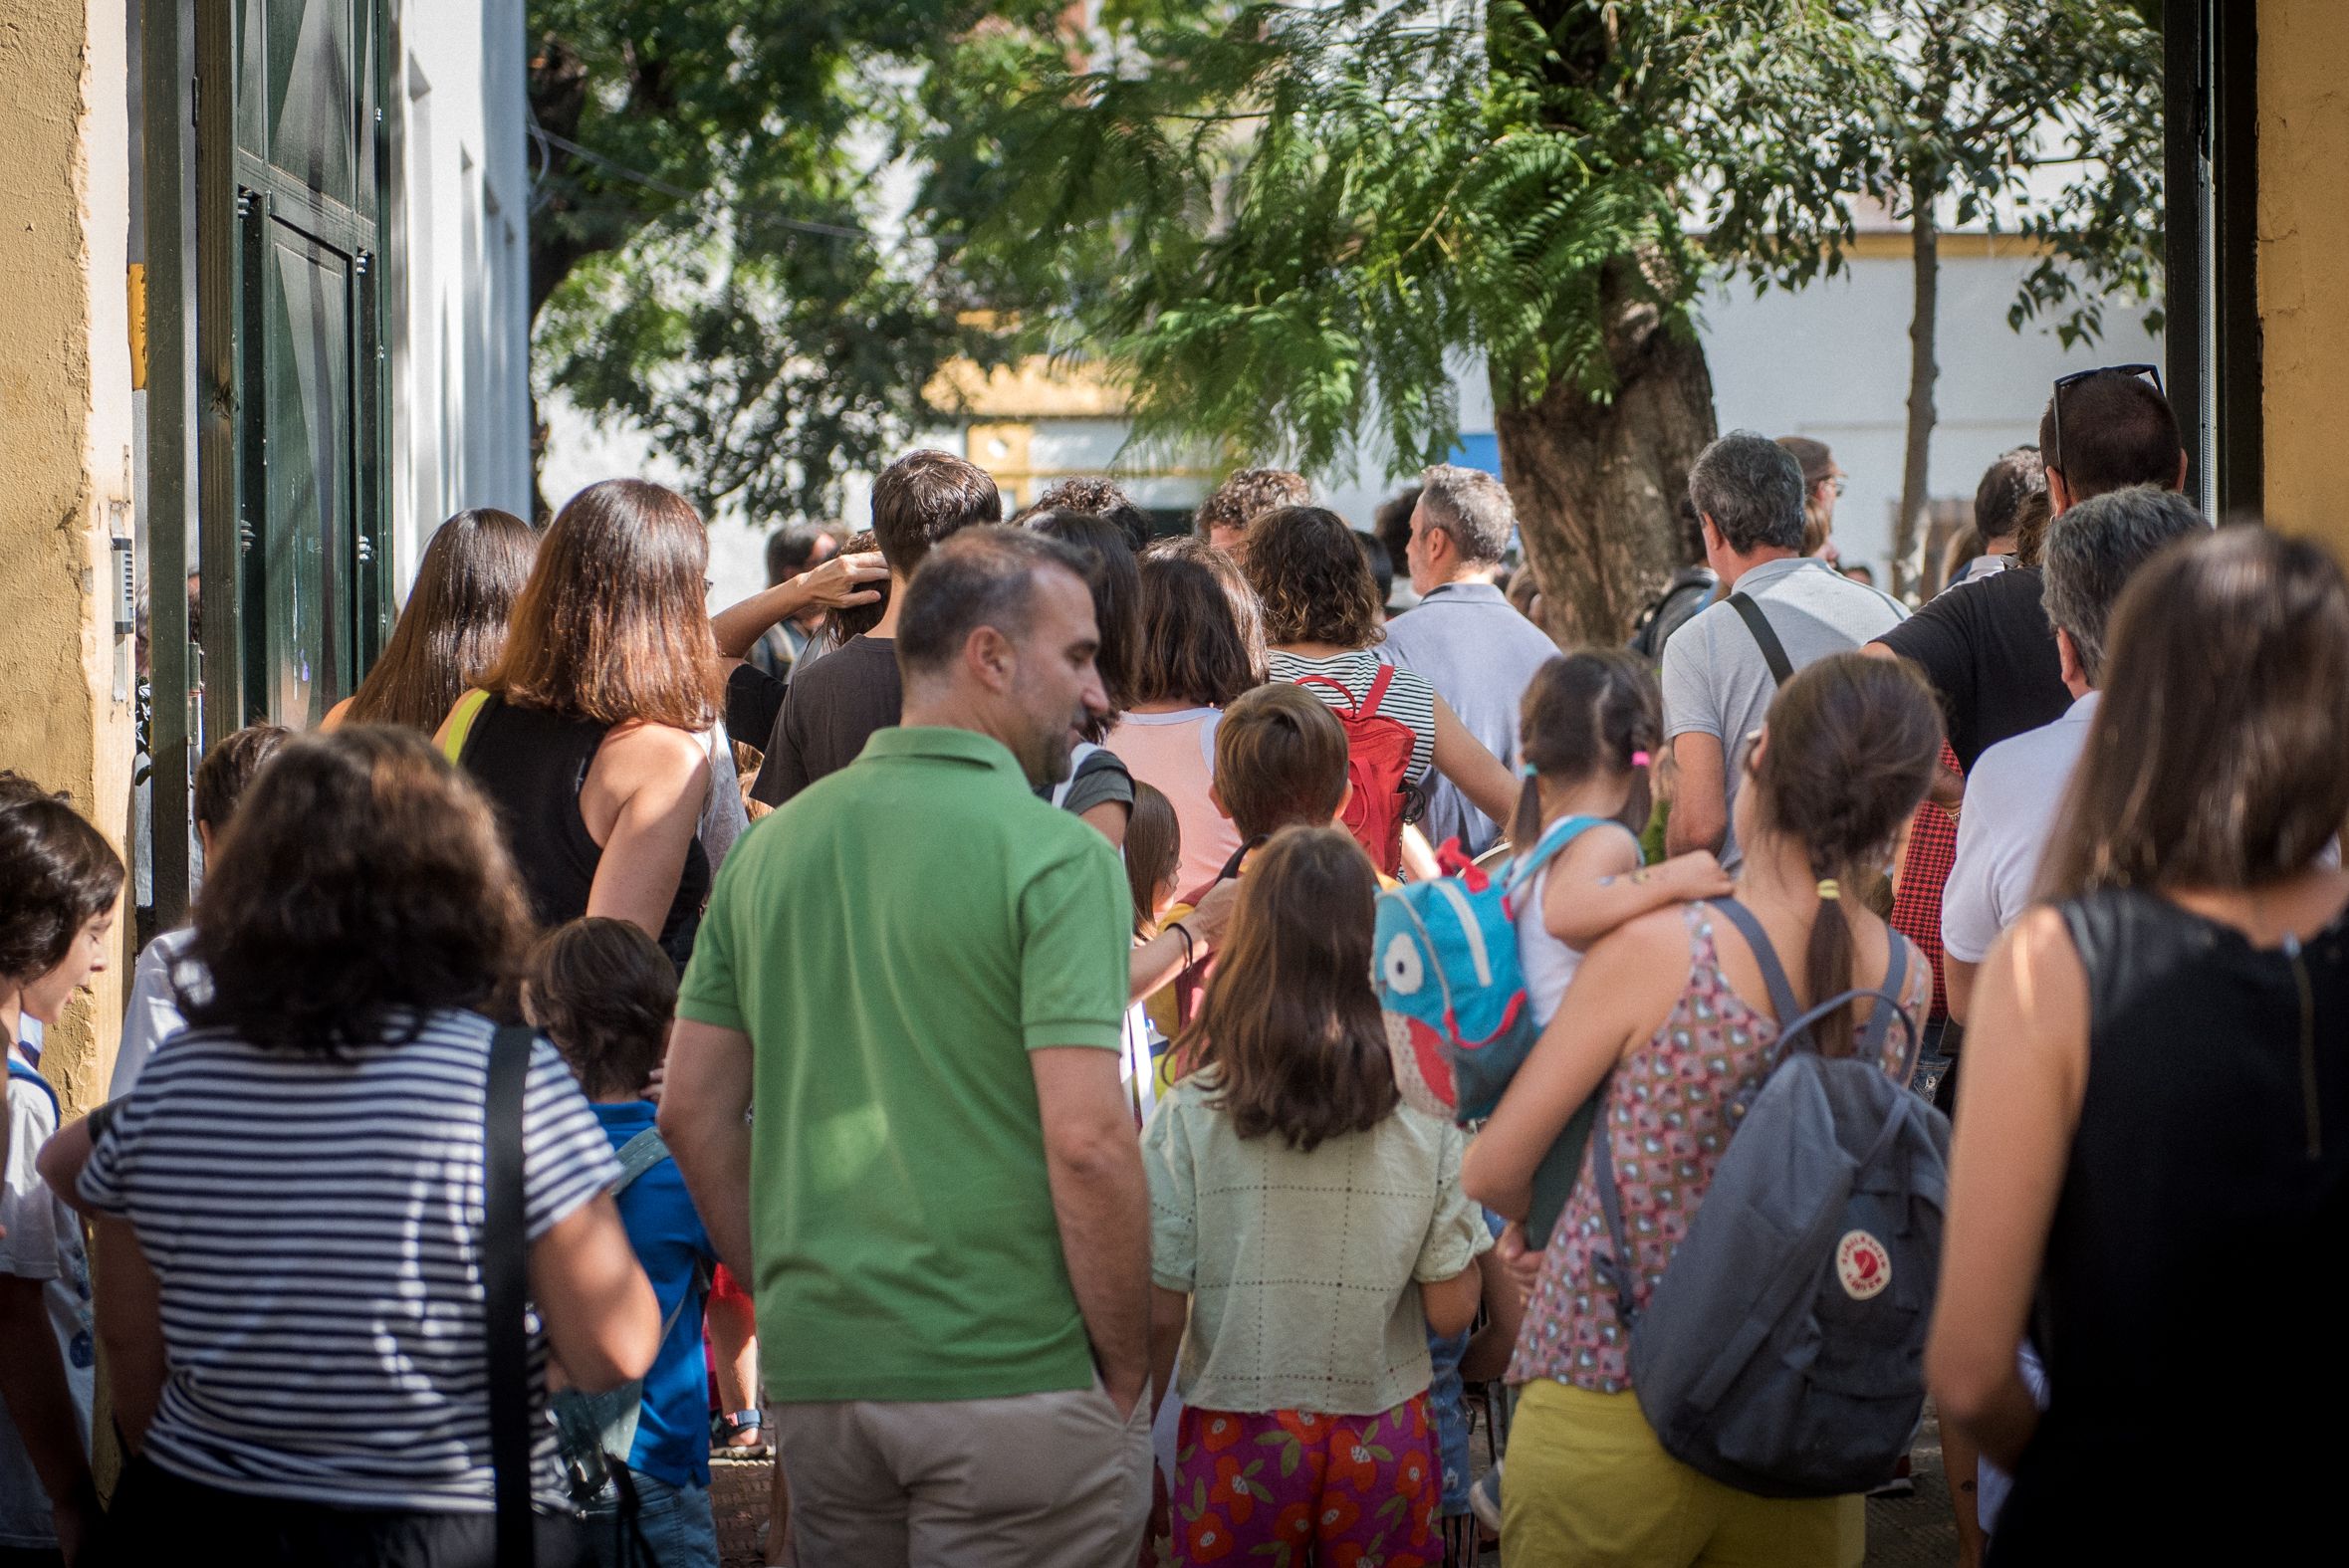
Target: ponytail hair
{"type": "Point", "coordinates": [1853, 742]}
{"type": "Point", "coordinates": [1590, 711]}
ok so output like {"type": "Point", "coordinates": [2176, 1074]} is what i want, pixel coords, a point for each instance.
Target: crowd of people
{"type": "Point", "coordinates": [929, 1022]}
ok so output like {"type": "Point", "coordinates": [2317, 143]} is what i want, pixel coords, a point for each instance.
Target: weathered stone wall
{"type": "Point", "coordinates": [65, 439]}
{"type": "Point", "coordinates": [2305, 261]}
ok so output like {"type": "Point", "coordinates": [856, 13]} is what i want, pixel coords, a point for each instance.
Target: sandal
{"type": "Point", "coordinates": [727, 1433]}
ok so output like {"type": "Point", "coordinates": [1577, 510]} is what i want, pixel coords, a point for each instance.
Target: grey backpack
{"type": "Point", "coordinates": [1782, 1351]}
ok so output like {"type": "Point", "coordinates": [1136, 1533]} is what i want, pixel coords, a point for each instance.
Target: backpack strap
{"type": "Point", "coordinates": [461, 719]}
{"type": "Point", "coordinates": [505, 1291]}
{"type": "Point", "coordinates": [1352, 709]}
{"type": "Point", "coordinates": [1766, 957]}
{"type": "Point", "coordinates": [1896, 974]}
{"type": "Point", "coordinates": [1553, 838]}
{"type": "Point", "coordinates": [1377, 693]}
{"type": "Point", "coordinates": [638, 1154]}
{"type": "Point", "coordinates": [1773, 653]}
{"type": "Point", "coordinates": [18, 1072]}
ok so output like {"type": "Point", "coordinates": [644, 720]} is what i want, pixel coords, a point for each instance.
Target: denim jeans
{"type": "Point", "coordinates": [675, 1522]}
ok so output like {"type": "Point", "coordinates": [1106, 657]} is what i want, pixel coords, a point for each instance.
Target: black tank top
{"type": "Point", "coordinates": [2195, 1360]}
{"type": "Point", "coordinates": [533, 764]}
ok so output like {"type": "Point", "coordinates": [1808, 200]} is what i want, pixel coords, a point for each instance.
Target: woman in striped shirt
{"type": "Point", "coordinates": [291, 1201]}
{"type": "Point", "coordinates": [1324, 616]}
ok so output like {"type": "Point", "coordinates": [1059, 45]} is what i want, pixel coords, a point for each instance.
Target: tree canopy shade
{"type": "Point", "coordinates": [2042, 116]}
{"type": "Point", "coordinates": [1287, 223]}
{"type": "Point", "coordinates": [702, 262]}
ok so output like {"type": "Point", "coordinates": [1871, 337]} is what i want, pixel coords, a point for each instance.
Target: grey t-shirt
{"type": "Point", "coordinates": [1716, 681]}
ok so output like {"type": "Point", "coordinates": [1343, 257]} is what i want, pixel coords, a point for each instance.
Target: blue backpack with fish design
{"type": "Point", "coordinates": [1458, 1023]}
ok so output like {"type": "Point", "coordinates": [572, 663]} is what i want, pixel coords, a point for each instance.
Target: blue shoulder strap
{"type": "Point", "coordinates": [1553, 838]}
{"type": "Point", "coordinates": [20, 1073]}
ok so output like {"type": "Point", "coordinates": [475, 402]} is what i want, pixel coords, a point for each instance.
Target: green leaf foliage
{"type": "Point", "coordinates": [1287, 223]}
{"type": "Point", "coordinates": [712, 255]}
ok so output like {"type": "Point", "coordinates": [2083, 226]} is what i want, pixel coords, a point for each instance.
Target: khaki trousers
{"type": "Point", "coordinates": [1036, 1481]}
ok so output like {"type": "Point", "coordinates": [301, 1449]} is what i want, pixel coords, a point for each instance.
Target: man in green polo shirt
{"type": "Point", "coordinates": [917, 983]}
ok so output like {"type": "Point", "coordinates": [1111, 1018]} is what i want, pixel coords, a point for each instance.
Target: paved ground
{"type": "Point", "coordinates": [1907, 1532]}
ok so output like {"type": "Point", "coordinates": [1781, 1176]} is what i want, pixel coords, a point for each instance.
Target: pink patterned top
{"type": "Point", "coordinates": [1671, 1110]}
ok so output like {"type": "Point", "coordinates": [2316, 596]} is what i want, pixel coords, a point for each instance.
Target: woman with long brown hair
{"type": "Point", "coordinates": [1308, 1230]}
{"type": "Point", "coordinates": [1670, 1012]}
{"type": "Point", "coordinates": [2151, 1174]}
{"type": "Point", "coordinates": [589, 734]}
{"type": "Point", "coordinates": [290, 1237]}
{"type": "Point", "coordinates": [453, 626]}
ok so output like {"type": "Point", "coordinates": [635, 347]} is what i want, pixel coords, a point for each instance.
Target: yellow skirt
{"type": "Point", "coordinates": [1587, 1486]}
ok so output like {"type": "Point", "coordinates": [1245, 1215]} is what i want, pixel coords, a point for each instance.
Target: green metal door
{"type": "Point", "coordinates": [295, 511]}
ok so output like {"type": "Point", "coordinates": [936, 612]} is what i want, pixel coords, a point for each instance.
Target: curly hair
{"type": "Point", "coordinates": [1314, 578]}
{"type": "Point", "coordinates": [361, 880]}
{"type": "Point", "coordinates": [1094, 496]}
{"type": "Point", "coordinates": [1248, 494]}
{"type": "Point", "coordinates": [57, 874]}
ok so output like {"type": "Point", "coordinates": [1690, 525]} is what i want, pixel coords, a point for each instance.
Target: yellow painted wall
{"type": "Point", "coordinates": [2305, 261]}
{"type": "Point", "coordinates": [65, 440]}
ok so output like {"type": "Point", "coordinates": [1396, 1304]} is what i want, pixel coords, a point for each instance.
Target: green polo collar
{"type": "Point", "coordinates": [939, 743]}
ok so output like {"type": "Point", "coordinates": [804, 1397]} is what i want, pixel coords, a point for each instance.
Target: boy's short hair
{"type": "Point", "coordinates": [924, 498]}
{"type": "Point", "coordinates": [1280, 760]}
{"type": "Point", "coordinates": [228, 769]}
{"type": "Point", "coordinates": [602, 990]}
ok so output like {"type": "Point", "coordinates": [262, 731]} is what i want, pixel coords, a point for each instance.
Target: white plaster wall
{"type": "Point", "coordinates": [460, 332]}
{"type": "Point", "coordinates": [1832, 364]}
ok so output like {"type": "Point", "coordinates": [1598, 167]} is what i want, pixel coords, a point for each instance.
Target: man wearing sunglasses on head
{"type": "Point", "coordinates": [1987, 647]}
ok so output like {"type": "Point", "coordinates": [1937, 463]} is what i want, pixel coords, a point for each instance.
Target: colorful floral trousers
{"type": "Point", "coordinates": [1292, 1487]}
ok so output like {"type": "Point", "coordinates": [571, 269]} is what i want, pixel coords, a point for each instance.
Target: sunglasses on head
{"type": "Point", "coordinates": [2056, 403]}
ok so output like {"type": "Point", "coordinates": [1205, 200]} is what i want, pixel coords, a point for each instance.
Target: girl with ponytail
{"type": "Point", "coordinates": [1586, 732]}
{"type": "Point", "coordinates": [1669, 1019]}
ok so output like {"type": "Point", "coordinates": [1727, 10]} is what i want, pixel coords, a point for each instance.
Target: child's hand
{"type": "Point", "coordinates": [1692, 876]}
{"type": "Point", "coordinates": [1522, 1262]}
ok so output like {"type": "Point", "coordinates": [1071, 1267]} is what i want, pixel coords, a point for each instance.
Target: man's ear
{"type": "Point", "coordinates": [1215, 797]}
{"type": "Point", "coordinates": [2068, 654]}
{"type": "Point", "coordinates": [990, 656]}
{"type": "Point", "coordinates": [2182, 467]}
{"type": "Point", "coordinates": [2059, 492]}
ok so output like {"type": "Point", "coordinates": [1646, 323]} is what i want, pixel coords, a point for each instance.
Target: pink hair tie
{"type": "Point", "coordinates": [1639, 759]}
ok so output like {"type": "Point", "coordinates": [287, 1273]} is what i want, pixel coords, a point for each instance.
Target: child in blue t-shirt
{"type": "Point", "coordinates": [603, 992]}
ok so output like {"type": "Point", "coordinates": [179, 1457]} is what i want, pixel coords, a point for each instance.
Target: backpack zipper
{"type": "Point", "coordinates": [2309, 1114]}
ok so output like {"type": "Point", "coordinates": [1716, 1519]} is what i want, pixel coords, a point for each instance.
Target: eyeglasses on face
{"type": "Point", "coordinates": [2063, 383]}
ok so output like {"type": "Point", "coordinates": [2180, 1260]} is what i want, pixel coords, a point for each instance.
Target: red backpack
{"type": "Point", "coordinates": [1378, 767]}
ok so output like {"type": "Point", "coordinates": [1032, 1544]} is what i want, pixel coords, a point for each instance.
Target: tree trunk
{"type": "Point", "coordinates": [1912, 527]}
{"type": "Point", "coordinates": [1597, 485]}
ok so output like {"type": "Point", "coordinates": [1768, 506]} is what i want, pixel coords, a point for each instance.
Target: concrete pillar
{"type": "Point", "coordinates": [65, 443]}
{"type": "Point", "coordinates": [2304, 262]}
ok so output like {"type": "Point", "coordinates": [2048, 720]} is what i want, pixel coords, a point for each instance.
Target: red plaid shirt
{"type": "Point", "coordinates": [1925, 871]}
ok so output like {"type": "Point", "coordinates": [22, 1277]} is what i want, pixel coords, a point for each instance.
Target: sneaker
{"type": "Point", "coordinates": [1902, 1485]}
{"type": "Point", "coordinates": [1483, 1498]}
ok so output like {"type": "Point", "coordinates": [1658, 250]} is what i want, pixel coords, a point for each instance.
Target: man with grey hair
{"type": "Point", "coordinates": [1464, 636]}
{"type": "Point", "coordinates": [1778, 611]}
{"type": "Point", "coordinates": [2015, 787]}
{"type": "Point", "coordinates": [950, 1249]}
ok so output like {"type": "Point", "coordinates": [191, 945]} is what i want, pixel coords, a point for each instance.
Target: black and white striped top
{"type": "Point", "coordinates": [314, 1222]}
{"type": "Point", "coordinates": [1409, 699]}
